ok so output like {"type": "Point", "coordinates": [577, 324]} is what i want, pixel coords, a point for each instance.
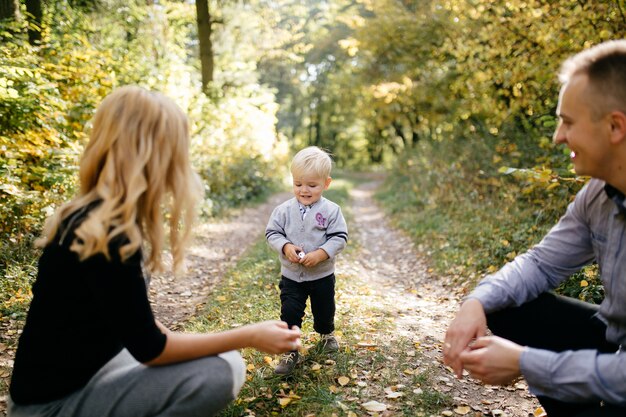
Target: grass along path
{"type": "Point", "coordinates": [391, 317]}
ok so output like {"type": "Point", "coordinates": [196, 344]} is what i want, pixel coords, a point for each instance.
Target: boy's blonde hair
{"type": "Point", "coordinates": [136, 158]}
{"type": "Point", "coordinates": [312, 160]}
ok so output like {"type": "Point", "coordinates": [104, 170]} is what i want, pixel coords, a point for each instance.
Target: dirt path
{"type": "Point", "coordinates": [422, 305]}
{"type": "Point", "coordinates": [217, 247]}
{"type": "Point", "coordinates": [386, 259]}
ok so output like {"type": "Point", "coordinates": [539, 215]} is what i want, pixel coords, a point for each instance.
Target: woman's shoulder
{"type": "Point", "coordinates": [66, 233]}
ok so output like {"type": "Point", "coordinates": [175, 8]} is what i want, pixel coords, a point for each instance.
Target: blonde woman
{"type": "Point", "coordinates": [91, 345]}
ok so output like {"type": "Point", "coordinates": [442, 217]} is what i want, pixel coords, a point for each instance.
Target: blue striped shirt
{"type": "Point", "coordinates": [592, 229]}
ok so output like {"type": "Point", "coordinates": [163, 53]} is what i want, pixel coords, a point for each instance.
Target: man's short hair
{"type": "Point", "coordinates": [312, 160]}
{"type": "Point", "coordinates": [605, 66]}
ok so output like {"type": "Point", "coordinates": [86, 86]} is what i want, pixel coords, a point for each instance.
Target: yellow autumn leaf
{"type": "Point", "coordinates": [250, 367]}
{"type": "Point", "coordinates": [220, 298]}
{"type": "Point", "coordinates": [584, 283]}
{"type": "Point", "coordinates": [267, 360]}
{"type": "Point", "coordinates": [316, 367]}
{"type": "Point", "coordinates": [284, 402]}
{"type": "Point", "coordinates": [343, 380]}
{"type": "Point", "coordinates": [333, 389]}
{"type": "Point", "coordinates": [462, 410]}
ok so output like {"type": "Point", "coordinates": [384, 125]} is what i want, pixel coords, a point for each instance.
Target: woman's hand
{"type": "Point", "coordinates": [274, 337]}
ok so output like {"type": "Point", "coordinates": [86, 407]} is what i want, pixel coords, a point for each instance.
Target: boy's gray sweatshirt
{"type": "Point", "coordinates": [323, 227]}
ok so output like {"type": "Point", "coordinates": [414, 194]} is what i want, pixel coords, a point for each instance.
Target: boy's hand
{"type": "Point", "coordinates": [291, 252]}
{"type": "Point", "coordinates": [313, 258]}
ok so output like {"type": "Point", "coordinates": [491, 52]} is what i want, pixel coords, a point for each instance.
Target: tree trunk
{"type": "Point", "coordinates": [206, 46]}
{"type": "Point", "coordinates": [9, 16]}
{"type": "Point", "coordinates": [8, 10]}
{"type": "Point", "coordinates": [33, 7]}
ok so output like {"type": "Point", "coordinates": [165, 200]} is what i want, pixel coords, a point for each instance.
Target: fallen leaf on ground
{"type": "Point", "coordinates": [390, 392]}
{"type": "Point", "coordinates": [343, 380]}
{"type": "Point", "coordinates": [284, 402]}
{"type": "Point", "coordinates": [374, 406]}
{"type": "Point", "coordinates": [462, 410]}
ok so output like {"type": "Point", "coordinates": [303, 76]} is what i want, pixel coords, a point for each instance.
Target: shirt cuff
{"type": "Point", "coordinates": [535, 365]}
{"type": "Point", "coordinates": [483, 295]}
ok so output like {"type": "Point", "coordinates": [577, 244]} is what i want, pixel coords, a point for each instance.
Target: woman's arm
{"type": "Point", "coordinates": [267, 336]}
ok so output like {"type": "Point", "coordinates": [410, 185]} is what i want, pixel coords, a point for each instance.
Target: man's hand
{"type": "Point", "coordinates": [313, 258]}
{"type": "Point", "coordinates": [470, 323]}
{"type": "Point", "coordinates": [493, 360]}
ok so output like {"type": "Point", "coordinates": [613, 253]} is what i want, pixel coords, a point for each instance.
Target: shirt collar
{"type": "Point", "coordinates": [617, 196]}
{"type": "Point", "coordinates": [306, 208]}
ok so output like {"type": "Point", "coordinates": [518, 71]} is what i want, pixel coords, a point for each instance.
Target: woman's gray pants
{"type": "Point", "coordinates": [127, 388]}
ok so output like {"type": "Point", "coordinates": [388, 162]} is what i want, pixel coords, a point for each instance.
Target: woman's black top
{"type": "Point", "coordinates": [82, 314]}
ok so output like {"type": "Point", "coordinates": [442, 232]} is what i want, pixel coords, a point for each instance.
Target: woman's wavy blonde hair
{"type": "Point", "coordinates": [137, 157]}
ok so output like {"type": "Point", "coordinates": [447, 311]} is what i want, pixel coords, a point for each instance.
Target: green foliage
{"type": "Point", "coordinates": [471, 222]}
{"type": "Point", "coordinates": [585, 285]}
{"type": "Point", "coordinates": [48, 95]}
{"type": "Point", "coordinates": [18, 269]}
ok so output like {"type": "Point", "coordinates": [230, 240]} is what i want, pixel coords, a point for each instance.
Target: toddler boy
{"type": "Point", "coordinates": [308, 231]}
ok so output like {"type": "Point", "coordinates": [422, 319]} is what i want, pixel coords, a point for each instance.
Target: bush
{"type": "Point", "coordinates": [471, 221]}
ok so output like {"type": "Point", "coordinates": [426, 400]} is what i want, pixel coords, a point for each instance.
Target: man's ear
{"type": "Point", "coordinates": [327, 183]}
{"type": "Point", "coordinates": [618, 127]}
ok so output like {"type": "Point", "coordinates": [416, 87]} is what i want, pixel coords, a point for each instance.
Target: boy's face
{"type": "Point", "coordinates": [308, 188]}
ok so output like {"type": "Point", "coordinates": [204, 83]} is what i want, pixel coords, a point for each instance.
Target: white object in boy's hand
{"type": "Point", "coordinates": [301, 254]}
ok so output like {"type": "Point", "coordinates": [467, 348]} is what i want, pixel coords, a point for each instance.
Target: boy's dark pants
{"type": "Point", "coordinates": [557, 323]}
{"type": "Point", "coordinates": [293, 296]}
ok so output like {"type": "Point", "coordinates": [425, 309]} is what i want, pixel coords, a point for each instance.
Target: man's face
{"type": "Point", "coordinates": [587, 138]}
{"type": "Point", "coordinates": [308, 189]}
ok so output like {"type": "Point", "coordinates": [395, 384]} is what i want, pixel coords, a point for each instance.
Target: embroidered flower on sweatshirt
{"type": "Point", "coordinates": [321, 220]}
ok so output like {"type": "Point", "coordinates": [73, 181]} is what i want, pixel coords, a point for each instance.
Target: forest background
{"type": "Point", "coordinates": [454, 99]}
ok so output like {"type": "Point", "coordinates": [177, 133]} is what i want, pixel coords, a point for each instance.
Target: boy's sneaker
{"type": "Point", "coordinates": [287, 363]}
{"type": "Point", "coordinates": [329, 343]}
